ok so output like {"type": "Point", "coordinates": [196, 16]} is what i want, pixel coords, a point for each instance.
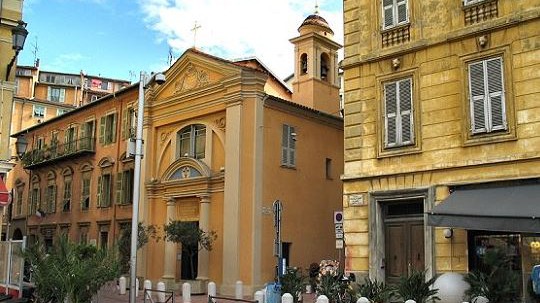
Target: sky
{"type": "Point", "coordinates": [119, 38]}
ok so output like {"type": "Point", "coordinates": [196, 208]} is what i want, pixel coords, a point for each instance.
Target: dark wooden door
{"type": "Point", "coordinates": [404, 249]}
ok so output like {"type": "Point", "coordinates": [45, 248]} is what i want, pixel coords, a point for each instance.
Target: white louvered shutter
{"type": "Point", "coordinates": [477, 97]}
{"type": "Point", "coordinates": [284, 145]}
{"type": "Point", "coordinates": [62, 95]}
{"type": "Point", "coordinates": [390, 112]}
{"type": "Point", "coordinates": [292, 147]}
{"type": "Point", "coordinates": [402, 11]}
{"type": "Point", "coordinates": [495, 91]}
{"type": "Point", "coordinates": [388, 13]}
{"type": "Point", "coordinates": [406, 111]}
{"type": "Point", "coordinates": [49, 93]}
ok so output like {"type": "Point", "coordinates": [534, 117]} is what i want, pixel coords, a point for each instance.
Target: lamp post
{"type": "Point", "coordinates": [144, 82]}
{"type": "Point", "coordinates": [19, 34]}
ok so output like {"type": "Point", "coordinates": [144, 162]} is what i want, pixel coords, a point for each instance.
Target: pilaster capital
{"type": "Point", "coordinates": [205, 198]}
{"type": "Point", "coordinates": [171, 201]}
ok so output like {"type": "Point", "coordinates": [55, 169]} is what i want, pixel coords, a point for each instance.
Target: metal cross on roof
{"type": "Point", "coordinates": [194, 30]}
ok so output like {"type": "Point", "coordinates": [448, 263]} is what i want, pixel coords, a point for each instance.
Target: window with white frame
{"type": "Point", "coordinates": [192, 141]}
{"type": "Point", "coordinates": [61, 111]}
{"type": "Point", "coordinates": [470, 2]}
{"type": "Point", "coordinates": [39, 111]}
{"type": "Point", "coordinates": [398, 113]}
{"type": "Point", "coordinates": [56, 94]}
{"type": "Point", "coordinates": [288, 146]}
{"type": "Point", "coordinates": [107, 129]}
{"type": "Point", "coordinates": [104, 190]}
{"type": "Point", "coordinates": [486, 96]}
{"type": "Point", "coordinates": [395, 12]}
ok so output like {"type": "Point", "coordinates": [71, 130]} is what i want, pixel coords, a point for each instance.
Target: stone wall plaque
{"type": "Point", "coordinates": [356, 200]}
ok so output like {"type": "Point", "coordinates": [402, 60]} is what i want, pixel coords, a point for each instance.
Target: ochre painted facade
{"type": "Point", "coordinates": [435, 51]}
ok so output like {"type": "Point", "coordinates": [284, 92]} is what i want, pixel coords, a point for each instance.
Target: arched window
{"type": "Point", "coordinates": [324, 66]}
{"type": "Point", "coordinates": [192, 141]}
{"type": "Point", "coordinates": [303, 64]}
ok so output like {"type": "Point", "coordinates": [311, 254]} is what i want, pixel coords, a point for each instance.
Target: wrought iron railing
{"type": "Point", "coordinates": [55, 152]}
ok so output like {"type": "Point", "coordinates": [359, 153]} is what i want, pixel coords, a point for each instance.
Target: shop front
{"type": "Point", "coordinates": [498, 218]}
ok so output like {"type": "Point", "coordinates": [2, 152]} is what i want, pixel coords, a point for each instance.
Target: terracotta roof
{"type": "Point", "coordinates": [317, 21]}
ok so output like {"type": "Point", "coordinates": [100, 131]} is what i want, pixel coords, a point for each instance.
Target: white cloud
{"type": "Point", "coordinates": [238, 28]}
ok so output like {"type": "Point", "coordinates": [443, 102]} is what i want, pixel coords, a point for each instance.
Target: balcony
{"type": "Point", "coordinates": [58, 152]}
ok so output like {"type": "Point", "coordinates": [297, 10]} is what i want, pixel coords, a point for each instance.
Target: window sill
{"type": "Point", "coordinates": [399, 151]}
{"type": "Point", "coordinates": [488, 138]}
{"type": "Point", "coordinates": [288, 166]}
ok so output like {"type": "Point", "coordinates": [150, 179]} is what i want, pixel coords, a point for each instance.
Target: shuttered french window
{"type": "Point", "coordinates": [398, 113]}
{"type": "Point", "coordinates": [486, 96]}
{"type": "Point", "coordinates": [395, 12]}
{"type": "Point", "coordinates": [288, 146]}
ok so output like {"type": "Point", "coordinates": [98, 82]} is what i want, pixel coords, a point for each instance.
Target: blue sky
{"type": "Point", "coordinates": [119, 38]}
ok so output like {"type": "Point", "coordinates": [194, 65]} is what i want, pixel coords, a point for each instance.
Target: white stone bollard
{"type": "Point", "coordinates": [259, 296]}
{"type": "Point", "coordinates": [480, 299]}
{"type": "Point", "coordinates": [186, 292]}
{"type": "Point", "coordinates": [147, 285]}
{"type": "Point", "coordinates": [137, 287]}
{"type": "Point", "coordinates": [362, 300]}
{"type": "Point", "coordinates": [322, 299]}
{"type": "Point", "coordinates": [287, 298]}
{"type": "Point", "coordinates": [410, 301]}
{"type": "Point", "coordinates": [239, 290]}
{"type": "Point", "coordinates": [122, 283]}
{"type": "Point", "coordinates": [161, 294]}
{"type": "Point", "coordinates": [212, 289]}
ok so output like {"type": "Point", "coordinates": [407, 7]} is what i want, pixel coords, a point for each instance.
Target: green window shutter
{"type": "Point", "coordinates": [390, 113]}
{"type": "Point", "coordinates": [124, 131]}
{"type": "Point", "coordinates": [406, 111]}
{"type": "Point", "coordinates": [477, 97]}
{"type": "Point", "coordinates": [113, 128]}
{"type": "Point", "coordinates": [102, 130]}
{"type": "Point", "coordinates": [495, 92]}
{"type": "Point", "coordinates": [119, 190]}
{"type": "Point", "coordinates": [53, 200]}
{"type": "Point", "coordinates": [100, 190]}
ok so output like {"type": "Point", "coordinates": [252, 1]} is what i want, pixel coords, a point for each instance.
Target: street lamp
{"type": "Point", "coordinates": [20, 146]}
{"type": "Point", "coordinates": [144, 82]}
{"type": "Point", "coordinates": [19, 34]}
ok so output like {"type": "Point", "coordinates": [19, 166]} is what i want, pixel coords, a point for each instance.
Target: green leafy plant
{"type": "Point", "coordinates": [70, 272]}
{"type": "Point", "coordinates": [375, 291]}
{"type": "Point", "coordinates": [192, 238]}
{"type": "Point", "coordinates": [329, 285]}
{"type": "Point", "coordinates": [293, 282]}
{"type": "Point", "coordinates": [498, 284]}
{"type": "Point", "coordinates": [415, 287]}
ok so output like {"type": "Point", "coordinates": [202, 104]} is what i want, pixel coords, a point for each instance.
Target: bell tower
{"type": "Point", "coordinates": [316, 82]}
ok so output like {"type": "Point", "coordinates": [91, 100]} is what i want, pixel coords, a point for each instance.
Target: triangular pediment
{"type": "Point", "coordinates": [195, 71]}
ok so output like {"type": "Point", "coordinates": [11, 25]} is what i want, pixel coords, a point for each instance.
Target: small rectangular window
{"type": "Point", "coordinates": [56, 94]}
{"type": "Point", "coordinates": [328, 167]}
{"type": "Point", "coordinates": [39, 111]}
{"type": "Point", "coordinates": [288, 146]}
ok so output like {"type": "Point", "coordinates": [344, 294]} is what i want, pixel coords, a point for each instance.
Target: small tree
{"type": "Point", "coordinates": [191, 237]}
{"type": "Point", "coordinates": [124, 242]}
{"type": "Point", "coordinates": [70, 272]}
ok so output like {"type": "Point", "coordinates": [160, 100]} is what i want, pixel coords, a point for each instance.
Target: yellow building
{"type": "Point", "coordinates": [226, 139]}
{"type": "Point", "coordinates": [223, 140]}
{"type": "Point", "coordinates": [441, 107]}
{"type": "Point", "coordinates": [10, 15]}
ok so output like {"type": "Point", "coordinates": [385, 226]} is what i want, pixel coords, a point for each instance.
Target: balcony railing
{"type": "Point", "coordinates": [56, 152]}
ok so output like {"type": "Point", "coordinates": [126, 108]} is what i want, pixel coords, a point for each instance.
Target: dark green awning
{"type": "Point", "coordinates": [511, 208]}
